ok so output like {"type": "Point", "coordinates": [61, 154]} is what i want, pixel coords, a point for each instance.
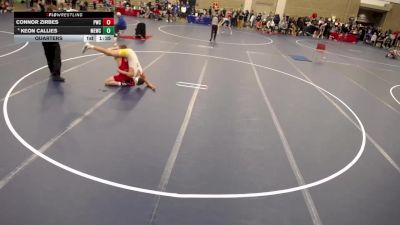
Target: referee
{"type": "Point", "coordinates": [214, 27]}
{"type": "Point", "coordinates": [52, 50]}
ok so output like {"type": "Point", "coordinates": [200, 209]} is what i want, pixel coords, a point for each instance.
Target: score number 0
{"type": "Point", "coordinates": [108, 30]}
{"type": "Point", "coordinates": [108, 21]}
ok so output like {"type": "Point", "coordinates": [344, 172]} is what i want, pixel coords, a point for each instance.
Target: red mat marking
{"type": "Point", "coordinates": [135, 38]}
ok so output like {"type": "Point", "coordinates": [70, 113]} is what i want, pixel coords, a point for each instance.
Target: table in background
{"type": "Point", "coordinates": [127, 12]}
{"type": "Point", "coordinates": [205, 20]}
{"type": "Point", "coordinates": [344, 37]}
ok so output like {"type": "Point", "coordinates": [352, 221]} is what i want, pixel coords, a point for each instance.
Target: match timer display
{"type": "Point", "coordinates": [64, 27]}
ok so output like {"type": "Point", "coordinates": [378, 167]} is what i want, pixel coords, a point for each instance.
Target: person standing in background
{"type": "Point", "coordinates": [120, 26]}
{"type": "Point", "coordinates": [241, 19]}
{"type": "Point", "coordinates": [52, 50]}
{"type": "Point", "coordinates": [41, 6]}
{"type": "Point", "coordinates": [246, 18]}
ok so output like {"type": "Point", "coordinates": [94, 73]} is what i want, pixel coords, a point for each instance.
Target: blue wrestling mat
{"type": "Point", "coordinates": [300, 58]}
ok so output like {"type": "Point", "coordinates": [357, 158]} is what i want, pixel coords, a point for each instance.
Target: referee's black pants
{"type": "Point", "coordinates": [52, 51]}
{"type": "Point", "coordinates": [214, 29]}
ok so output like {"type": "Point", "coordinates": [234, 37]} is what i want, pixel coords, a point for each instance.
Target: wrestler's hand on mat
{"type": "Point", "coordinates": [152, 87]}
{"type": "Point", "coordinates": [148, 84]}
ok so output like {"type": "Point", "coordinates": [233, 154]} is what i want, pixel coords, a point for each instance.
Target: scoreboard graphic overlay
{"type": "Point", "coordinates": [63, 26]}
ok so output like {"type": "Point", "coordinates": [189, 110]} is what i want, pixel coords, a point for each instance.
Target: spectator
{"type": "Point", "coordinates": [157, 14]}
{"type": "Point", "coordinates": [322, 28]}
{"type": "Point", "coordinates": [368, 35]}
{"type": "Point", "coordinates": [374, 37]}
{"type": "Point", "coordinates": [300, 25]}
{"type": "Point", "coordinates": [379, 41]}
{"type": "Point", "coordinates": [41, 6]}
{"type": "Point", "coordinates": [246, 17]}
{"type": "Point", "coordinates": [169, 15]}
{"type": "Point", "coordinates": [277, 19]}
{"type": "Point", "coordinates": [107, 5]}
{"type": "Point", "coordinates": [69, 9]}
{"type": "Point", "coordinates": [61, 8]}
{"type": "Point", "coordinates": [240, 20]}
{"type": "Point", "coordinates": [258, 21]}
{"type": "Point", "coordinates": [83, 6]}
{"type": "Point", "coordinates": [252, 20]}
{"type": "Point", "coordinates": [269, 25]}
{"type": "Point", "coordinates": [2, 7]}
{"type": "Point", "coordinates": [387, 42]}
{"type": "Point", "coordinates": [283, 26]}
{"type": "Point", "coordinates": [7, 7]}
{"type": "Point", "coordinates": [234, 18]}
{"type": "Point", "coordinates": [293, 29]}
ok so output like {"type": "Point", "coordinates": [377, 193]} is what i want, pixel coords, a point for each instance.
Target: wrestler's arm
{"type": "Point", "coordinates": [129, 73]}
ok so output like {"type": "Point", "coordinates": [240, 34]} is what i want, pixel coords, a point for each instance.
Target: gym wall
{"type": "Point", "coordinates": [342, 9]}
{"type": "Point", "coordinates": [228, 4]}
{"type": "Point", "coordinates": [266, 6]}
{"type": "Point", "coordinates": [257, 5]}
{"type": "Point", "coordinates": [392, 18]}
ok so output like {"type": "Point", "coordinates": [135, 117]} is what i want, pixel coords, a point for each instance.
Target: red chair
{"type": "Point", "coordinates": [321, 47]}
{"type": "Point", "coordinates": [319, 53]}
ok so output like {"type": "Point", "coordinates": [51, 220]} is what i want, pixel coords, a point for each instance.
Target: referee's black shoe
{"type": "Point", "coordinates": [57, 78]}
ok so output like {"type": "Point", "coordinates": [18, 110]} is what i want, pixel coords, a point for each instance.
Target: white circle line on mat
{"type": "Point", "coordinates": [4, 55]}
{"type": "Point", "coordinates": [179, 195]}
{"type": "Point", "coordinates": [347, 56]}
{"type": "Point", "coordinates": [196, 39]}
{"type": "Point", "coordinates": [391, 93]}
